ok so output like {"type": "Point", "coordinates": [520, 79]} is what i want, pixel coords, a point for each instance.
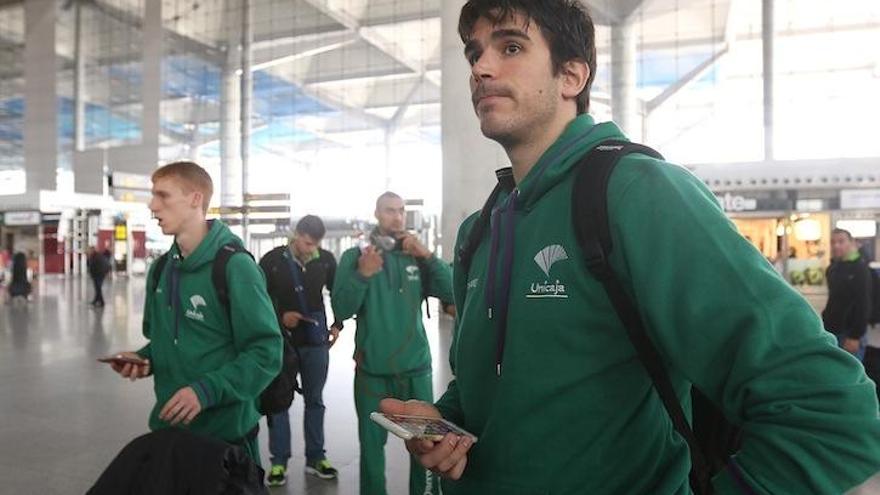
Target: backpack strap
{"type": "Point", "coordinates": [218, 272]}
{"type": "Point", "coordinates": [478, 229]}
{"type": "Point", "coordinates": [592, 228]}
{"type": "Point", "coordinates": [158, 268]}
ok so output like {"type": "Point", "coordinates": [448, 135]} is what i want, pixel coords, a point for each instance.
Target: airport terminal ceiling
{"type": "Point", "coordinates": [345, 80]}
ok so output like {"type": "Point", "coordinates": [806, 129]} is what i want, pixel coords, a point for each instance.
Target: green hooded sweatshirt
{"type": "Point", "coordinates": [390, 337]}
{"type": "Point", "coordinates": [573, 411]}
{"type": "Point", "coordinates": [193, 344]}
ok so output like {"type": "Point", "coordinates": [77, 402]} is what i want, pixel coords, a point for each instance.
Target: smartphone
{"type": "Point", "coordinates": [120, 359]}
{"type": "Point", "coordinates": [409, 427]}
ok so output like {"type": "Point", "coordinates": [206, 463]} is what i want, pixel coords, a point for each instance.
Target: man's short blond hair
{"type": "Point", "coordinates": [192, 177]}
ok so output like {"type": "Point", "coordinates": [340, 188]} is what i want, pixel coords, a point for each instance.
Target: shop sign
{"type": "Point", "coordinates": [810, 205]}
{"type": "Point", "coordinates": [126, 180]}
{"type": "Point", "coordinates": [860, 199]}
{"type": "Point", "coordinates": [20, 218]}
{"type": "Point", "coordinates": [730, 202]}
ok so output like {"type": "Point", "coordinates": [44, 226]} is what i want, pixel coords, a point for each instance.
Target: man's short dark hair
{"type": "Point", "coordinates": [312, 226]}
{"type": "Point", "coordinates": [387, 195]}
{"type": "Point", "coordinates": [845, 232]}
{"type": "Point", "coordinates": [565, 24]}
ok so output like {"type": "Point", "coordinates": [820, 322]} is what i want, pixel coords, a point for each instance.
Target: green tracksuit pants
{"type": "Point", "coordinates": [368, 391]}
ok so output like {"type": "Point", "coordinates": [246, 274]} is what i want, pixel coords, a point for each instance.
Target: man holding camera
{"type": "Point", "coordinates": [383, 284]}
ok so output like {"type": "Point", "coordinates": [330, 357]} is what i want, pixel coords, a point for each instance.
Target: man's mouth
{"type": "Point", "coordinates": [482, 94]}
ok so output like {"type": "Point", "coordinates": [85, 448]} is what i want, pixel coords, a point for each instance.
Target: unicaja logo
{"type": "Point", "coordinates": [196, 301]}
{"type": "Point", "coordinates": [549, 256]}
{"type": "Point", "coordinates": [545, 260]}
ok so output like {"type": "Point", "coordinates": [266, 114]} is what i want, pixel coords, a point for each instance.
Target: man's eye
{"type": "Point", "coordinates": [512, 49]}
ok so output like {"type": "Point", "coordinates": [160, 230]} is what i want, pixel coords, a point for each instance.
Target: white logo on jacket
{"type": "Point", "coordinates": [412, 273]}
{"type": "Point", "coordinates": [545, 259]}
{"type": "Point", "coordinates": [196, 301]}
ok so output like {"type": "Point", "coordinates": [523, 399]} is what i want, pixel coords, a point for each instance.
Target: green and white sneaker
{"type": "Point", "coordinates": [277, 476]}
{"type": "Point", "coordinates": [322, 469]}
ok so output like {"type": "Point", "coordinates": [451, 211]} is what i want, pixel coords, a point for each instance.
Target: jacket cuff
{"type": "Point", "coordinates": [144, 352]}
{"type": "Point", "coordinates": [207, 398]}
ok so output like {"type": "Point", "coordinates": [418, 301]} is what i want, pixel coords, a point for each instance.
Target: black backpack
{"type": "Point", "coordinates": [279, 394]}
{"type": "Point", "coordinates": [713, 439]}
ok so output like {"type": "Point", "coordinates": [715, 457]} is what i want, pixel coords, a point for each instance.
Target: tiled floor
{"type": "Point", "coordinates": [63, 417]}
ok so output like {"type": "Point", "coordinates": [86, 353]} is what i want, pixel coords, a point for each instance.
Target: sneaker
{"type": "Point", "coordinates": [322, 469]}
{"type": "Point", "coordinates": [277, 476]}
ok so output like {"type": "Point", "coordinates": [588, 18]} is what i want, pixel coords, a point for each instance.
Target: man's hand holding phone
{"type": "Point", "coordinates": [447, 457]}
{"type": "Point", "coordinates": [128, 364]}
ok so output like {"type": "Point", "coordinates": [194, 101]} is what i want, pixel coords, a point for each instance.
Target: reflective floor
{"type": "Point", "coordinates": [63, 416]}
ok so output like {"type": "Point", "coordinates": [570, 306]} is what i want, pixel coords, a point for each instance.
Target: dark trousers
{"type": "Point", "coordinates": [314, 363]}
{"type": "Point", "coordinates": [99, 295]}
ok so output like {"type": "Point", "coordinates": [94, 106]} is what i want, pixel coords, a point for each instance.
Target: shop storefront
{"type": "Point", "coordinates": [792, 229]}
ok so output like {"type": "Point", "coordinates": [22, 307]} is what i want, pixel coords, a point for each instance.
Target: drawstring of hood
{"type": "Point", "coordinates": [173, 291]}
{"type": "Point", "coordinates": [503, 226]}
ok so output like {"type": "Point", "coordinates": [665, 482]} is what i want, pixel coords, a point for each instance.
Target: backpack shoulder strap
{"type": "Point", "coordinates": [593, 231]}
{"type": "Point", "coordinates": [158, 268]}
{"type": "Point", "coordinates": [218, 271]}
{"type": "Point", "coordinates": [478, 229]}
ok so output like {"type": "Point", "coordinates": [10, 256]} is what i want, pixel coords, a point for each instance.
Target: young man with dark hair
{"type": "Point", "coordinates": [384, 284]}
{"type": "Point", "coordinates": [296, 275]}
{"type": "Point", "coordinates": [849, 294]}
{"type": "Point", "coordinates": [547, 379]}
{"type": "Point", "coordinates": [209, 362]}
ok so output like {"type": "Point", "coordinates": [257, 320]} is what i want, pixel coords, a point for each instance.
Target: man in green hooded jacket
{"type": "Point", "coordinates": [558, 397]}
{"type": "Point", "coordinates": [384, 284]}
{"type": "Point", "coordinates": [209, 363]}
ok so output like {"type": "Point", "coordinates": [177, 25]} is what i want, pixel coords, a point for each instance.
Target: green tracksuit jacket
{"type": "Point", "coordinates": [390, 338]}
{"type": "Point", "coordinates": [574, 412]}
{"type": "Point", "coordinates": [193, 343]}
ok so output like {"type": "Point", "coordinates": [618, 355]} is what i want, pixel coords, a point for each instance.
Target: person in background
{"type": "Point", "coordinates": [296, 275]}
{"type": "Point", "coordinates": [98, 267]}
{"type": "Point", "coordinates": [383, 284]}
{"type": "Point", "coordinates": [849, 294]}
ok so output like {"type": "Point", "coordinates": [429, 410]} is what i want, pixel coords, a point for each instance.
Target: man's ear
{"type": "Point", "coordinates": [574, 75]}
{"type": "Point", "coordinates": [197, 199]}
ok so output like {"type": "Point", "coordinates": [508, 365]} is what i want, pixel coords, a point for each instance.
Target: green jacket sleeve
{"type": "Point", "coordinates": [727, 322]}
{"type": "Point", "coordinates": [349, 287]}
{"type": "Point", "coordinates": [256, 337]}
{"type": "Point", "coordinates": [440, 276]}
{"type": "Point", "coordinates": [449, 403]}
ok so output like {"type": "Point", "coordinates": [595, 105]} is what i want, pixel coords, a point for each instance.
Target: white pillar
{"type": "Point", "coordinates": [152, 77]}
{"type": "Point", "coordinates": [624, 103]}
{"type": "Point", "coordinates": [79, 71]}
{"type": "Point", "coordinates": [247, 90]}
{"type": "Point", "coordinates": [768, 54]}
{"type": "Point", "coordinates": [469, 158]}
{"type": "Point", "coordinates": [40, 95]}
{"type": "Point", "coordinates": [230, 113]}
